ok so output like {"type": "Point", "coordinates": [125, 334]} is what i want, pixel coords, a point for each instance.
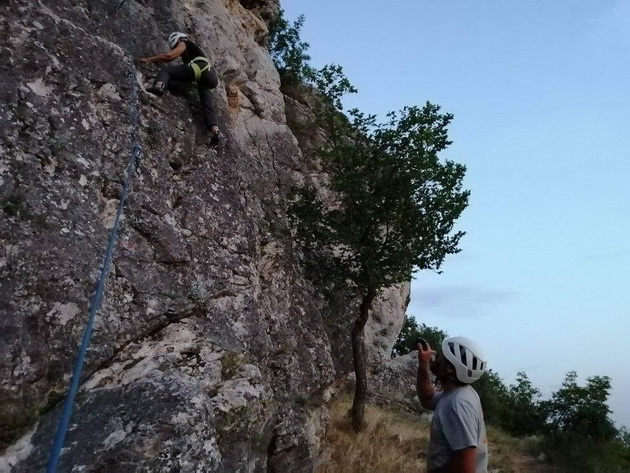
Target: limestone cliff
{"type": "Point", "coordinates": [212, 351]}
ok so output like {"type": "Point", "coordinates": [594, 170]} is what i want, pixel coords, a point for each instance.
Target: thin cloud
{"type": "Point", "coordinates": [459, 301]}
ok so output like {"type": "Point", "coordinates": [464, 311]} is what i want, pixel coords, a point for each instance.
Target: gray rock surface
{"type": "Point", "coordinates": [393, 383]}
{"type": "Point", "coordinates": [211, 351]}
{"type": "Point", "coordinates": [385, 323]}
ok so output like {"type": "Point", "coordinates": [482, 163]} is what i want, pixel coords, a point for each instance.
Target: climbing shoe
{"type": "Point", "coordinates": [157, 88]}
{"type": "Point", "coordinates": [216, 138]}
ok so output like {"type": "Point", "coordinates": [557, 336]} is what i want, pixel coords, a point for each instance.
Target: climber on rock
{"type": "Point", "coordinates": [196, 68]}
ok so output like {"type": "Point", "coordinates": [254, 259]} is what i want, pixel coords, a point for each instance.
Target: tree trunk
{"type": "Point", "coordinates": [358, 356]}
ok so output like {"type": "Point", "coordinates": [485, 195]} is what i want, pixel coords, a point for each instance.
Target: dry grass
{"type": "Point", "coordinates": [392, 442]}
{"type": "Point", "coordinates": [396, 442]}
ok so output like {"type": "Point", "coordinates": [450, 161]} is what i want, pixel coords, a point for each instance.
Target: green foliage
{"type": "Point", "coordinates": [623, 437]}
{"type": "Point", "coordinates": [231, 363]}
{"type": "Point", "coordinates": [580, 436]}
{"type": "Point", "coordinates": [332, 84]}
{"type": "Point", "coordinates": [396, 202]}
{"type": "Point", "coordinates": [621, 448]}
{"type": "Point", "coordinates": [493, 395]}
{"type": "Point", "coordinates": [289, 54]}
{"type": "Point", "coordinates": [391, 203]}
{"type": "Point", "coordinates": [12, 208]}
{"type": "Point", "coordinates": [569, 453]}
{"type": "Point", "coordinates": [15, 421]}
{"type": "Point", "coordinates": [523, 408]}
{"type": "Point", "coordinates": [408, 336]}
{"type": "Point", "coordinates": [288, 51]}
{"type": "Point", "coordinates": [581, 410]}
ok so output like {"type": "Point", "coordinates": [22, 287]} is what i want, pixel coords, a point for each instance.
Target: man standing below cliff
{"type": "Point", "coordinates": [458, 441]}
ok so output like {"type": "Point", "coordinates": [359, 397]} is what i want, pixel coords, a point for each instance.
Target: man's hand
{"type": "Point", "coordinates": [425, 354]}
{"type": "Point", "coordinates": [424, 387]}
{"type": "Point", "coordinates": [144, 59]}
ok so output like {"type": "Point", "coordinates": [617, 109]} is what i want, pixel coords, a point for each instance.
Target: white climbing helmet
{"type": "Point", "coordinates": [175, 37]}
{"type": "Point", "coordinates": [466, 356]}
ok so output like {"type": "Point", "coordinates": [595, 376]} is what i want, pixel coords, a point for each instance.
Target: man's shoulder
{"type": "Point", "coordinates": [466, 393]}
{"type": "Point", "coordinates": [465, 397]}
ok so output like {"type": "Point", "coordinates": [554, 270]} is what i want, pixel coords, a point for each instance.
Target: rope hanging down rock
{"type": "Point", "coordinates": [132, 167]}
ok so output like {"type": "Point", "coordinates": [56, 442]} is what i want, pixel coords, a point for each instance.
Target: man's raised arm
{"type": "Point", "coordinates": [424, 386]}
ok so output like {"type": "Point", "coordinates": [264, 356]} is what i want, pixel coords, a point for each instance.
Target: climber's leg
{"type": "Point", "coordinates": [208, 82]}
{"type": "Point", "coordinates": [181, 73]}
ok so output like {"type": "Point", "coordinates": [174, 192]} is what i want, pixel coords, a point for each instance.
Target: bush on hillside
{"type": "Point", "coordinates": [523, 413]}
{"type": "Point", "coordinates": [493, 395]}
{"type": "Point", "coordinates": [581, 410]}
{"type": "Point", "coordinates": [579, 434]}
{"type": "Point", "coordinates": [409, 334]}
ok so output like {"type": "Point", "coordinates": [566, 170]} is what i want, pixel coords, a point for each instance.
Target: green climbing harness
{"type": "Point", "coordinates": [199, 70]}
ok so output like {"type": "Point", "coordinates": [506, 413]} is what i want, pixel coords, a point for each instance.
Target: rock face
{"type": "Point", "coordinates": [211, 351]}
{"type": "Point", "coordinates": [393, 383]}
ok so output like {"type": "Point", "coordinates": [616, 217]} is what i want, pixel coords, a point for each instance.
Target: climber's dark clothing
{"type": "Point", "coordinates": [208, 80]}
{"type": "Point", "coordinates": [191, 52]}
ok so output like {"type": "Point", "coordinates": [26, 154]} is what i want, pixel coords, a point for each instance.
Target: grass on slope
{"type": "Point", "coordinates": [396, 442]}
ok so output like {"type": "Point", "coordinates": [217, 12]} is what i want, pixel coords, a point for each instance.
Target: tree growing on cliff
{"type": "Point", "coordinates": [394, 206]}
{"type": "Point", "coordinates": [288, 51]}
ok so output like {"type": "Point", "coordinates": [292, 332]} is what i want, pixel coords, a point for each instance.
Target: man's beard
{"type": "Point", "coordinates": [433, 367]}
{"type": "Point", "coordinates": [435, 370]}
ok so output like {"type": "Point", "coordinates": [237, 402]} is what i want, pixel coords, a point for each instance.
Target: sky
{"type": "Point", "coordinates": [539, 91]}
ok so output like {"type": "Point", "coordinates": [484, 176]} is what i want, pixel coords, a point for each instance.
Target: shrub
{"type": "Point", "coordinates": [288, 51]}
{"type": "Point", "coordinates": [409, 334]}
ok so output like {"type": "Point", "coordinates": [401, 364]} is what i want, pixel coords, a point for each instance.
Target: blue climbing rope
{"type": "Point", "coordinates": [132, 167]}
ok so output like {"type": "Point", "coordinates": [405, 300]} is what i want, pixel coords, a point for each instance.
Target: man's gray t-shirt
{"type": "Point", "coordinates": [457, 424]}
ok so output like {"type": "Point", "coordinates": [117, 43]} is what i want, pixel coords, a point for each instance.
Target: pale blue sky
{"type": "Point", "coordinates": [539, 90]}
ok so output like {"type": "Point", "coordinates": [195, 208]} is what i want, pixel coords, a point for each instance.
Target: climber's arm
{"type": "Point", "coordinates": [166, 57]}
